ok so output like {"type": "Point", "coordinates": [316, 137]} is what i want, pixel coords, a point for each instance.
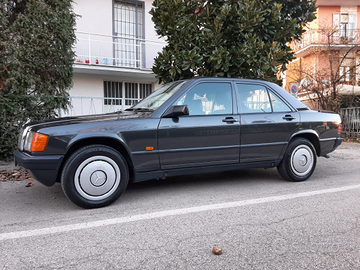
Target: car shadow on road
{"type": "Point", "coordinates": [236, 177]}
{"type": "Point", "coordinates": [52, 198]}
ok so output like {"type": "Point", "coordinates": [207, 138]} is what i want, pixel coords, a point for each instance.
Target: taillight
{"type": "Point", "coordinates": [339, 128]}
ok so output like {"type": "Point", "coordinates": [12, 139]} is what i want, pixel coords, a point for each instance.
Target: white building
{"type": "Point", "coordinates": [116, 46]}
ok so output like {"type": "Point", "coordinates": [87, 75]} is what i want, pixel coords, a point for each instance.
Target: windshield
{"type": "Point", "coordinates": [156, 99]}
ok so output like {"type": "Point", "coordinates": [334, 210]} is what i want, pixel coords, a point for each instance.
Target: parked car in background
{"type": "Point", "coordinates": [185, 127]}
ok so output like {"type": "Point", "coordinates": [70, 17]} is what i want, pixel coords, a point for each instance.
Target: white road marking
{"type": "Point", "coordinates": [174, 212]}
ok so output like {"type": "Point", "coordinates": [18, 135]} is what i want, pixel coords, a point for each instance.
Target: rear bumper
{"type": "Point", "coordinates": [45, 169]}
{"type": "Point", "coordinates": [329, 146]}
{"type": "Point", "coordinates": [337, 143]}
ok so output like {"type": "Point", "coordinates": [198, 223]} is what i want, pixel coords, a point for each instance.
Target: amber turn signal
{"type": "Point", "coordinates": [39, 142]}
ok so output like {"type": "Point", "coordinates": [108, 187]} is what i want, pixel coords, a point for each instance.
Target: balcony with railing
{"type": "Point", "coordinates": [334, 38]}
{"type": "Point", "coordinates": [82, 105]}
{"type": "Point", "coordinates": [115, 51]}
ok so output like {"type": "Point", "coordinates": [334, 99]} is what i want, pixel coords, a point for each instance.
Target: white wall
{"type": "Point", "coordinates": [87, 85]}
{"type": "Point", "coordinates": [88, 92]}
{"type": "Point", "coordinates": [150, 33]}
{"type": "Point", "coordinates": [151, 49]}
{"type": "Point", "coordinates": [96, 16]}
{"type": "Point", "coordinates": [92, 85]}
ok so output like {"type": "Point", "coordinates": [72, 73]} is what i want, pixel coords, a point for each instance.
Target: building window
{"type": "Point", "coordinates": [346, 23]}
{"type": "Point", "coordinates": [132, 92]}
{"type": "Point", "coordinates": [112, 93]}
{"type": "Point", "coordinates": [346, 74]}
{"type": "Point", "coordinates": [128, 31]}
{"type": "Point", "coordinates": [145, 90]}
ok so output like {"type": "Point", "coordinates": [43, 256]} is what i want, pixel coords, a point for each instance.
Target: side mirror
{"type": "Point", "coordinates": [176, 110]}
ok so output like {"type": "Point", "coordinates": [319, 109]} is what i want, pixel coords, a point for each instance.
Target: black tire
{"type": "Point", "coordinates": [94, 176]}
{"type": "Point", "coordinates": [299, 161]}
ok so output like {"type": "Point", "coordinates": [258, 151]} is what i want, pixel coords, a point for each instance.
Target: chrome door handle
{"type": "Point", "coordinates": [288, 117]}
{"type": "Point", "coordinates": [230, 120]}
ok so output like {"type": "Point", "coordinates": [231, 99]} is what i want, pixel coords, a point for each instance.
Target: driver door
{"type": "Point", "coordinates": [209, 135]}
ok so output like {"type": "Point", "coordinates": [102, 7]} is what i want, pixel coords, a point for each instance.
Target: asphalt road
{"type": "Point", "coordinates": [259, 220]}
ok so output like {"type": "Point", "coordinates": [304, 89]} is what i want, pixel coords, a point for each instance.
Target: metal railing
{"type": "Point", "coordinates": [118, 51]}
{"type": "Point", "coordinates": [96, 105]}
{"type": "Point", "coordinates": [350, 118]}
{"type": "Point", "coordinates": [324, 37]}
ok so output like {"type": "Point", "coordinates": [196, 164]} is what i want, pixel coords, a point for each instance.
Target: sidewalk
{"type": "Point", "coordinates": [8, 165]}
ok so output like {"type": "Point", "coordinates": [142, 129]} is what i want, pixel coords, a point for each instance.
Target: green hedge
{"type": "Point", "coordinates": [15, 111]}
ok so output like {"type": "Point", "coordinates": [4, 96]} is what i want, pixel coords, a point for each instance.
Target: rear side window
{"type": "Point", "coordinates": [277, 104]}
{"type": "Point", "coordinates": [255, 98]}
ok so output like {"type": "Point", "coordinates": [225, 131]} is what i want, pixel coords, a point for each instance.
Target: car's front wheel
{"type": "Point", "coordinates": [299, 161]}
{"type": "Point", "coordinates": [94, 176]}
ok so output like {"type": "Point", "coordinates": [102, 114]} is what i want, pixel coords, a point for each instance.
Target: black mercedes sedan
{"type": "Point", "coordinates": [185, 127]}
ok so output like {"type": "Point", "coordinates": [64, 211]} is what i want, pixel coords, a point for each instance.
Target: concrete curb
{"type": "Point", "coordinates": [8, 165]}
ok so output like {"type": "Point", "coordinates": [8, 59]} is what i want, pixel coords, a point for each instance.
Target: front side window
{"type": "Point", "coordinates": [208, 98]}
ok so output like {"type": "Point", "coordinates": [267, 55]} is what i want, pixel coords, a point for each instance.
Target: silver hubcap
{"type": "Point", "coordinates": [97, 178]}
{"type": "Point", "coordinates": [302, 160]}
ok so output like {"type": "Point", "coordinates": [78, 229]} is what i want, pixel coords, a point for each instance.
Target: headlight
{"type": "Point", "coordinates": [35, 142]}
{"type": "Point", "coordinates": [28, 140]}
{"type": "Point", "coordinates": [22, 138]}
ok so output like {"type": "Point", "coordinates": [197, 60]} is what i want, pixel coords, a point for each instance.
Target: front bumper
{"type": "Point", "coordinates": [45, 169]}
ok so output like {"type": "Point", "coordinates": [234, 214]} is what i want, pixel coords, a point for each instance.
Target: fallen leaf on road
{"type": "Point", "coordinates": [217, 251]}
{"type": "Point", "coordinates": [29, 185]}
{"type": "Point", "coordinates": [14, 175]}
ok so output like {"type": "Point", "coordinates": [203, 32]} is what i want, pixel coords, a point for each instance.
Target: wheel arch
{"type": "Point", "coordinates": [107, 141]}
{"type": "Point", "coordinates": [311, 136]}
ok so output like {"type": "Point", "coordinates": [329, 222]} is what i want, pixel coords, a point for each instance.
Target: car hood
{"type": "Point", "coordinates": [117, 116]}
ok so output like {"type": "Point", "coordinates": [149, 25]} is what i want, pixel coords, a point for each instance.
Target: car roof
{"type": "Point", "coordinates": [297, 104]}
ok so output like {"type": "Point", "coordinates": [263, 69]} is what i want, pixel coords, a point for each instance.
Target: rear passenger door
{"type": "Point", "coordinates": [266, 123]}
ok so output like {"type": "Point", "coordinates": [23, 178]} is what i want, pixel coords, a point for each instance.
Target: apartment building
{"type": "Point", "coordinates": [116, 46]}
{"type": "Point", "coordinates": [329, 49]}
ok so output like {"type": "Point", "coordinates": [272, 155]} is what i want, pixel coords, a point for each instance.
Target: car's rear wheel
{"type": "Point", "coordinates": [94, 176]}
{"type": "Point", "coordinates": [299, 161]}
